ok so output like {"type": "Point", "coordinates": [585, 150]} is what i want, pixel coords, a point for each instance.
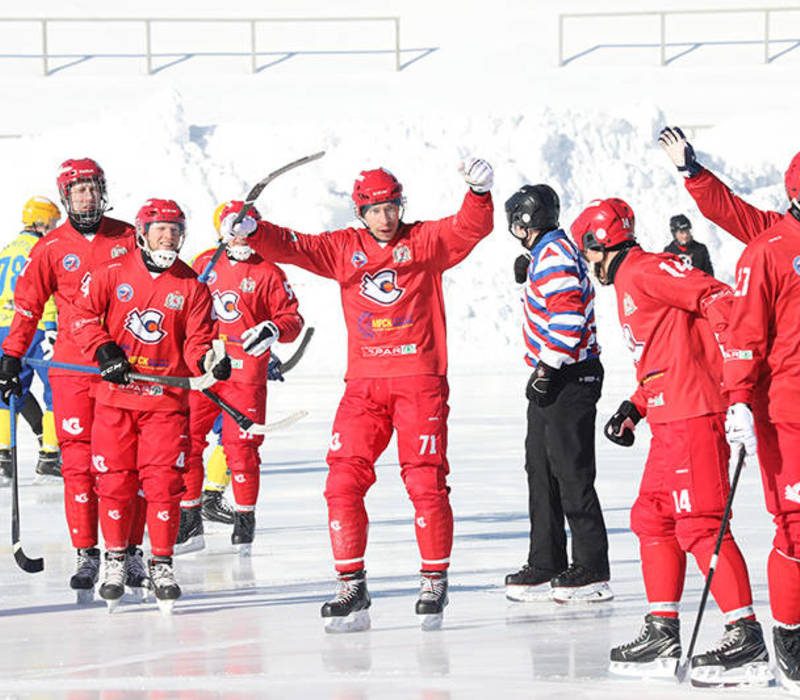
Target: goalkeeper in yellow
{"type": "Point", "coordinates": [39, 215]}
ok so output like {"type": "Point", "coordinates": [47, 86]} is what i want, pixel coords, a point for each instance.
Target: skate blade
{"type": "Point", "coordinates": [753, 675]}
{"type": "Point", "coordinates": [244, 549]}
{"type": "Point", "coordinates": [542, 593]}
{"type": "Point", "coordinates": [112, 604]}
{"type": "Point", "coordinates": [792, 687]}
{"type": "Point", "coordinates": [354, 622]}
{"type": "Point", "coordinates": [593, 593]}
{"type": "Point", "coordinates": [193, 544]}
{"type": "Point", "coordinates": [165, 606]}
{"type": "Point", "coordinates": [431, 622]}
{"type": "Point", "coordinates": [84, 596]}
{"type": "Point", "coordinates": [44, 479]}
{"type": "Point", "coordinates": [663, 669]}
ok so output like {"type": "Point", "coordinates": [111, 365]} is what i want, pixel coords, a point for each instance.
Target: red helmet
{"type": "Point", "coordinates": [161, 211]}
{"type": "Point", "coordinates": [82, 170]}
{"type": "Point", "coordinates": [793, 179]}
{"type": "Point", "coordinates": [374, 187]}
{"type": "Point", "coordinates": [605, 224]}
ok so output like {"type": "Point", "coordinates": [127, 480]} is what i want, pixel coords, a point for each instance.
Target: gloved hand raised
{"type": "Point", "coordinates": [256, 340]}
{"type": "Point", "coordinates": [478, 174]}
{"type": "Point", "coordinates": [679, 150]}
{"type": "Point", "coordinates": [228, 231]}
{"type": "Point", "coordinates": [739, 428]}
{"type": "Point", "coordinates": [114, 365]}
{"type": "Point", "coordinates": [621, 425]}
{"type": "Point", "coordinates": [10, 367]}
{"type": "Point", "coordinates": [541, 385]}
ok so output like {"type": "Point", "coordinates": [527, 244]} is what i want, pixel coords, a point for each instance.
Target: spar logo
{"type": "Point", "coordinates": [381, 287]}
{"type": "Point", "coordinates": [145, 325]}
{"type": "Point", "coordinates": [226, 306]}
{"type": "Point", "coordinates": [71, 262]}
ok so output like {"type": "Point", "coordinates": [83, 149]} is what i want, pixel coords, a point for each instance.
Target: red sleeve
{"type": "Point", "coordinates": [749, 326]}
{"type": "Point", "coordinates": [639, 399]}
{"type": "Point", "coordinates": [283, 307]}
{"type": "Point", "coordinates": [317, 253]}
{"type": "Point", "coordinates": [200, 330]}
{"type": "Point", "coordinates": [35, 285]}
{"type": "Point", "coordinates": [731, 213]}
{"type": "Point", "coordinates": [678, 284]}
{"type": "Point", "coordinates": [88, 309]}
{"type": "Point", "coordinates": [454, 237]}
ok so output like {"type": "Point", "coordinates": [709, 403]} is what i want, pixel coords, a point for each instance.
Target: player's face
{"type": "Point", "coordinates": [524, 235]}
{"type": "Point", "coordinates": [599, 262]}
{"type": "Point", "coordinates": [163, 235]}
{"type": "Point", "coordinates": [683, 236]}
{"type": "Point", "coordinates": [84, 196]}
{"type": "Point", "coordinates": [383, 220]}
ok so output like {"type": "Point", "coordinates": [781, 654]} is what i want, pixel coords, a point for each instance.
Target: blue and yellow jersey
{"type": "Point", "coordinates": [12, 260]}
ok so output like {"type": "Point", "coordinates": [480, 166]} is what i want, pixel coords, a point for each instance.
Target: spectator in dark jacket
{"type": "Point", "coordinates": [685, 247]}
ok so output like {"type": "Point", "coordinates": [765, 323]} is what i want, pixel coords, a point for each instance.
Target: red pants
{"type": "Point", "coordinates": [679, 509]}
{"type": "Point", "coordinates": [241, 448]}
{"type": "Point", "coordinates": [416, 407]}
{"type": "Point", "coordinates": [779, 457]}
{"type": "Point", "coordinates": [130, 448]}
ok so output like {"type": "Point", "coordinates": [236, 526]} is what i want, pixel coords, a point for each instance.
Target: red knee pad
{"type": "Point", "coordinates": [699, 533]}
{"type": "Point", "coordinates": [647, 520]}
{"type": "Point", "coordinates": [348, 480]}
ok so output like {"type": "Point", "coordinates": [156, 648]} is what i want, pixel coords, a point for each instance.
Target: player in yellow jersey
{"type": "Point", "coordinates": [39, 215]}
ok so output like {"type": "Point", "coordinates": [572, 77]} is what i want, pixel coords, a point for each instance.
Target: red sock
{"type": "Point", "coordinates": [783, 575]}
{"type": "Point", "coordinates": [663, 569]}
{"type": "Point", "coordinates": [731, 583]}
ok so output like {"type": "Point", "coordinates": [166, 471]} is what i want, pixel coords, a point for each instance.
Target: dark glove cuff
{"type": "Point", "coordinates": [629, 410]}
{"type": "Point", "coordinates": [109, 351]}
{"type": "Point", "coordinates": [10, 364]}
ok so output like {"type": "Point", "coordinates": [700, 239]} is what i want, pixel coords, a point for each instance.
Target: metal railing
{"type": "Point", "coordinates": [148, 22]}
{"type": "Point", "coordinates": [662, 17]}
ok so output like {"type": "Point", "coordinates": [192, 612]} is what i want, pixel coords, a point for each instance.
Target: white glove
{"type": "Point", "coordinates": [48, 345]}
{"type": "Point", "coordinates": [216, 361]}
{"type": "Point", "coordinates": [246, 227]}
{"type": "Point", "coordinates": [679, 151]}
{"type": "Point", "coordinates": [739, 428]}
{"type": "Point", "coordinates": [256, 340]}
{"type": "Point", "coordinates": [478, 174]}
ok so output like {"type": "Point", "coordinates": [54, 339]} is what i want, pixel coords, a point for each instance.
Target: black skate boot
{"type": "Point", "coordinates": [86, 573]}
{"type": "Point", "coordinates": [244, 529]}
{"type": "Point", "coordinates": [48, 466]}
{"type": "Point", "coordinates": [432, 598]}
{"type": "Point", "coordinates": [740, 658]}
{"type": "Point", "coordinates": [166, 588]}
{"type": "Point", "coordinates": [529, 585]}
{"type": "Point", "coordinates": [215, 508]}
{"type": "Point", "coordinates": [136, 579]}
{"type": "Point", "coordinates": [653, 654]}
{"type": "Point", "coordinates": [5, 466]}
{"type": "Point", "coordinates": [190, 532]}
{"type": "Point", "coordinates": [580, 585]}
{"type": "Point", "coordinates": [348, 610]}
{"type": "Point", "coordinates": [113, 585]}
{"type": "Point", "coordinates": [787, 651]}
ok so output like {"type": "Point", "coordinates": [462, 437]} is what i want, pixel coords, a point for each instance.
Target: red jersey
{"type": "Point", "coordinates": [246, 293]}
{"type": "Point", "coordinates": [58, 264]}
{"type": "Point", "coordinates": [667, 310]}
{"type": "Point", "coordinates": [764, 344]}
{"type": "Point", "coordinates": [162, 322]}
{"type": "Point", "coordinates": [391, 292]}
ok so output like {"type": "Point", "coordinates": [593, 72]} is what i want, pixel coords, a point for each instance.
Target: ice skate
{"type": "Point", "coordinates": [48, 467]}
{"type": "Point", "coordinates": [653, 654]}
{"type": "Point", "coordinates": [529, 585]}
{"type": "Point", "coordinates": [5, 466]}
{"type": "Point", "coordinates": [244, 528]}
{"type": "Point", "coordinates": [787, 653]}
{"type": "Point", "coordinates": [348, 610]}
{"type": "Point", "coordinates": [86, 574]}
{"type": "Point", "coordinates": [739, 659]}
{"type": "Point", "coordinates": [136, 579]}
{"type": "Point", "coordinates": [432, 599]}
{"type": "Point", "coordinates": [113, 585]}
{"type": "Point", "coordinates": [165, 587]}
{"type": "Point", "coordinates": [580, 585]}
{"type": "Point", "coordinates": [190, 532]}
{"type": "Point", "coordinates": [215, 508]}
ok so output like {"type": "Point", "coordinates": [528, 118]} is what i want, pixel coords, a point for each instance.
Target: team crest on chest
{"type": "Point", "coordinates": [212, 277]}
{"type": "Point", "coordinates": [226, 306]}
{"type": "Point", "coordinates": [71, 262]}
{"type": "Point", "coordinates": [174, 301]}
{"type": "Point", "coordinates": [627, 304]}
{"type": "Point", "coordinates": [124, 292]}
{"type": "Point", "coordinates": [118, 250]}
{"type": "Point", "coordinates": [796, 265]}
{"type": "Point", "coordinates": [381, 287]}
{"type": "Point", "coordinates": [145, 325]}
{"type": "Point", "coordinates": [401, 254]}
{"type": "Point", "coordinates": [359, 259]}
{"type": "Point", "coordinates": [248, 285]}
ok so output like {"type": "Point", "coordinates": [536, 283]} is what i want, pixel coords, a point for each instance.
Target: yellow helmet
{"type": "Point", "coordinates": [218, 215]}
{"type": "Point", "coordinates": [39, 210]}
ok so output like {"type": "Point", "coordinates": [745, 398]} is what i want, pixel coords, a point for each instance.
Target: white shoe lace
{"type": "Point", "coordinates": [162, 575]}
{"type": "Point", "coordinates": [115, 571]}
{"type": "Point", "coordinates": [432, 588]}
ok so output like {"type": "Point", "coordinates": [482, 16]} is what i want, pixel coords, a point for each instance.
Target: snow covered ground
{"type": "Point", "coordinates": [484, 81]}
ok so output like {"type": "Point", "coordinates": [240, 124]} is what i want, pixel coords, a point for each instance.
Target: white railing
{"type": "Point", "coordinates": [148, 22]}
{"type": "Point", "coordinates": [662, 23]}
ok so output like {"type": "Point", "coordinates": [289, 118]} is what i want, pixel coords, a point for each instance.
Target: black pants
{"type": "Point", "coordinates": [560, 463]}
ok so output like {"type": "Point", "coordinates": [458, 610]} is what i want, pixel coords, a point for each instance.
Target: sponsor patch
{"type": "Point", "coordinates": [388, 350]}
{"type": "Point", "coordinates": [71, 262]}
{"type": "Point", "coordinates": [738, 354]}
{"type": "Point", "coordinates": [381, 287]}
{"type": "Point", "coordinates": [657, 400]}
{"type": "Point", "coordinates": [401, 254]}
{"type": "Point", "coordinates": [118, 250]}
{"type": "Point", "coordinates": [359, 259]}
{"type": "Point", "coordinates": [124, 292]}
{"type": "Point", "coordinates": [248, 285]}
{"type": "Point", "coordinates": [796, 265]}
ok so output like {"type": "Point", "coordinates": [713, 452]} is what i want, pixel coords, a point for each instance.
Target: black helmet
{"type": "Point", "coordinates": [679, 222]}
{"type": "Point", "coordinates": [533, 206]}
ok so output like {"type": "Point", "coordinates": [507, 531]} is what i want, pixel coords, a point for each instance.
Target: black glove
{"type": "Point", "coordinates": [521, 268]}
{"type": "Point", "coordinates": [275, 369]}
{"type": "Point", "coordinates": [621, 425]}
{"type": "Point", "coordinates": [679, 150]}
{"type": "Point", "coordinates": [541, 385]}
{"type": "Point", "coordinates": [220, 367]}
{"type": "Point", "coordinates": [10, 367]}
{"type": "Point", "coordinates": [114, 366]}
